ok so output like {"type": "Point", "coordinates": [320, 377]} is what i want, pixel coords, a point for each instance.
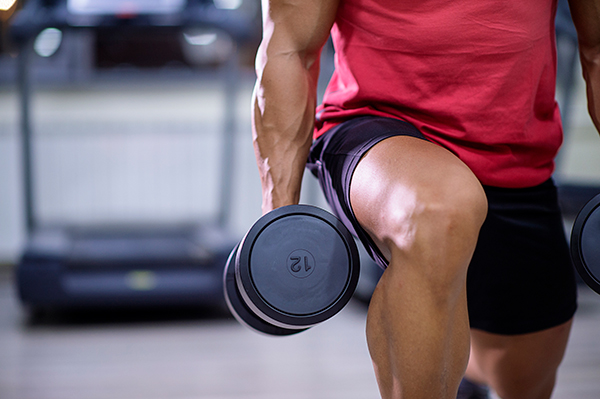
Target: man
{"type": "Point", "coordinates": [435, 145]}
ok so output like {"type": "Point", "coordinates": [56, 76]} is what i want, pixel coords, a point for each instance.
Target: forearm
{"type": "Point", "coordinates": [591, 73]}
{"type": "Point", "coordinates": [586, 17]}
{"type": "Point", "coordinates": [283, 116]}
{"type": "Point", "coordinates": [284, 100]}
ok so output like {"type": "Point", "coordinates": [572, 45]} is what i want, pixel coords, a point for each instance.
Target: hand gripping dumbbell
{"type": "Point", "coordinates": [297, 266]}
{"type": "Point", "coordinates": [585, 243]}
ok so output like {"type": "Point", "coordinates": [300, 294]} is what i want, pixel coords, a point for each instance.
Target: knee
{"type": "Point", "coordinates": [437, 224]}
{"type": "Point", "coordinates": [524, 386]}
{"type": "Point", "coordinates": [434, 236]}
{"type": "Point", "coordinates": [453, 217]}
{"type": "Point", "coordinates": [526, 377]}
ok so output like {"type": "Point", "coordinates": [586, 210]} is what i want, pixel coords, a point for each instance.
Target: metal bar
{"type": "Point", "coordinates": [231, 78]}
{"type": "Point", "coordinates": [24, 88]}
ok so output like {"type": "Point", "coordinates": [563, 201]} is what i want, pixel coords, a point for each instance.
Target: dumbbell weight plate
{"type": "Point", "coordinates": [585, 243]}
{"type": "Point", "coordinates": [296, 267]}
{"type": "Point", "coordinates": [240, 310]}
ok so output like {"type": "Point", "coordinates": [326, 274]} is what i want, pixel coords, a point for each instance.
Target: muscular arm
{"type": "Point", "coordinates": [586, 17]}
{"type": "Point", "coordinates": [284, 99]}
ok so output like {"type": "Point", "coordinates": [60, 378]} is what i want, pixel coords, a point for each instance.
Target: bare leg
{"type": "Point", "coordinates": [518, 366]}
{"type": "Point", "coordinates": [423, 207]}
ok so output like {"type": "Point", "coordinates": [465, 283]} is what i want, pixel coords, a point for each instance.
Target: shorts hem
{"type": "Point", "coordinates": [519, 328]}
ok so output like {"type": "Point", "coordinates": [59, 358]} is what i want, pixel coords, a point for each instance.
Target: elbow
{"type": "Point", "coordinates": [286, 53]}
{"type": "Point", "coordinates": [590, 52]}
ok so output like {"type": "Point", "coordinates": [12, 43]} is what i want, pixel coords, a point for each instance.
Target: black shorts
{"type": "Point", "coordinates": [520, 279]}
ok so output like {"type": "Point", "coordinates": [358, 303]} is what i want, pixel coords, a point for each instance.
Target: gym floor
{"type": "Point", "coordinates": [206, 354]}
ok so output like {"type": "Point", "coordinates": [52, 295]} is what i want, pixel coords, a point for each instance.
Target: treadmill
{"type": "Point", "coordinates": [70, 267]}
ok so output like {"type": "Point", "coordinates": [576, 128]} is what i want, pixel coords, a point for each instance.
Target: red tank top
{"type": "Point", "coordinates": [476, 77]}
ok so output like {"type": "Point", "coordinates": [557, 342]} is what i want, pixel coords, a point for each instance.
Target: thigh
{"type": "Point", "coordinates": [391, 153]}
{"type": "Point", "coordinates": [411, 194]}
{"type": "Point", "coordinates": [333, 160]}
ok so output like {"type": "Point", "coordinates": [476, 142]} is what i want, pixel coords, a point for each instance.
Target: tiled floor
{"type": "Point", "coordinates": [207, 355]}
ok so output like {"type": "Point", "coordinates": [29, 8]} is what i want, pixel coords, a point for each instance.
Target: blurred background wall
{"type": "Point", "coordinates": [126, 129]}
{"type": "Point", "coordinates": [129, 129]}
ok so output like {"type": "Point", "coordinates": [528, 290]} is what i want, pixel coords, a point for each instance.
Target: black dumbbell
{"type": "Point", "coordinates": [297, 266]}
{"type": "Point", "coordinates": [585, 243]}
